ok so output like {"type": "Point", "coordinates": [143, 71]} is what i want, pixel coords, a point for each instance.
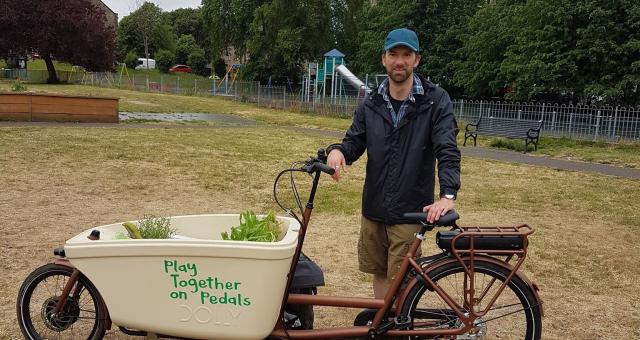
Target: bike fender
{"type": "Point", "coordinates": [63, 262]}
{"type": "Point", "coordinates": [67, 263]}
{"type": "Point", "coordinates": [484, 258]}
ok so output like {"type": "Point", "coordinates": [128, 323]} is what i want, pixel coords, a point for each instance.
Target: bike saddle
{"type": "Point", "coordinates": [448, 220]}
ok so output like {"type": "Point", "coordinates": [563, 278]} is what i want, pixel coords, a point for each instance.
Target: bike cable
{"type": "Point", "coordinates": [294, 189]}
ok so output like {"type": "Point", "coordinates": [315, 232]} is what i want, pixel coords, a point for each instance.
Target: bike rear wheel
{"type": "Point", "coordinates": [514, 315]}
{"type": "Point", "coordinates": [82, 316]}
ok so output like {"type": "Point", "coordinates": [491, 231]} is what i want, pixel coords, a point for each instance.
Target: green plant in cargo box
{"type": "Point", "coordinates": [150, 227]}
{"type": "Point", "coordinates": [252, 228]}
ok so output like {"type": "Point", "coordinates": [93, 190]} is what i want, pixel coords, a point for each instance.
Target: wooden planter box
{"type": "Point", "coordinates": [36, 107]}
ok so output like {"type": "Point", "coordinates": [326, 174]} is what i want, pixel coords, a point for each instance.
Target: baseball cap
{"type": "Point", "coordinates": [402, 36]}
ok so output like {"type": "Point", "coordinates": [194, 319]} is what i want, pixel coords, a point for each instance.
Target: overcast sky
{"type": "Point", "coordinates": [124, 7]}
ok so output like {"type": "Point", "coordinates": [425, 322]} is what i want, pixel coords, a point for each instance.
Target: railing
{"type": "Point", "coordinates": [607, 123]}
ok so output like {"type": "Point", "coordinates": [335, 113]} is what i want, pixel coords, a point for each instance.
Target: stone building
{"type": "Point", "coordinates": [111, 16]}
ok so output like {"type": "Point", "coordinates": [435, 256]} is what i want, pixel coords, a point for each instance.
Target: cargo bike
{"type": "Point", "coordinates": [201, 287]}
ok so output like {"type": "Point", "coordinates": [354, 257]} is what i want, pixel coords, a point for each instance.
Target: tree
{"type": "Point", "coordinates": [220, 68]}
{"type": "Point", "coordinates": [128, 38]}
{"type": "Point", "coordinates": [375, 21]}
{"type": "Point", "coordinates": [187, 21]}
{"type": "Point", "coordinates": [440, 26]}
{"type": "Point", "coordinates": [163, 38]}
{"type": "Point", "coordinates": [73, 31]}
{"type": "Point", "coordinates": [185, 46]}
{"type": "Point", "coordinates": [131, 59]}
{"type": "Point", "coordinates": [9, 24]}
{"type": "Point", "coordinates": [228, 23]}
{"type": "Point", "coordinates": [164, 60]}
{"type": "Point", "coordinates": [284, 34]}
{"type": "Point", "coordinates": [198, 62]}
{"type": "Point", "coordinates": [575, 50]}
{"type": "Point", "coordinates": [538, 64]}
{"type": "Point", "coordinates": [344, 25]}
{"type": "Point", "coordinates": [217, 19]}
{"type": "Point", "coordinates": [146, 21]}
{"type": "Point", "coordinates": [488, 35]}
{"type": "Point", "coordinates": [607, 50]}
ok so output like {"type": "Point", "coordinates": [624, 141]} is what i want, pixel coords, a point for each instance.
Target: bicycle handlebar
{"type": "Point", "coordinates": [315, 164]}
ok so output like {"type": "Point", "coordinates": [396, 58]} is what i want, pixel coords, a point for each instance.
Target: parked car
{"type": "Point", "coordinates": [181, 68]}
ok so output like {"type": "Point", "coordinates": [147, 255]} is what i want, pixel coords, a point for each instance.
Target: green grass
{"type": "Point", "coordinates": [154, 75]}
{"type": "Point", "coordinates": [39, 65]}
{"type": "Point", "coordinates": [621, 154]}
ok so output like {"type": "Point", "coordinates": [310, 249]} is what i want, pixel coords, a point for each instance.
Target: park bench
{"type": "Point", "coordinates": [529, 130]}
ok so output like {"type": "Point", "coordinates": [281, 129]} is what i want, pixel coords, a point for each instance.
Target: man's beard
{"type": "Point", "coordinates": [400, 77]}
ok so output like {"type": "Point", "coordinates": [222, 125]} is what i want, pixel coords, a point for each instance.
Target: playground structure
{"type": "Point", "coordinates": [226, 83]}
{"type": "Point", "coordinates": [334, 80]}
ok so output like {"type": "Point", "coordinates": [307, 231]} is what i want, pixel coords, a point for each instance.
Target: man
{"type": "Point", "coordinates": [404, 125]}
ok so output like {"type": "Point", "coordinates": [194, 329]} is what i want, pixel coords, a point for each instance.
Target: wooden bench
{"type": "Point", "coordinates": [529, 130]}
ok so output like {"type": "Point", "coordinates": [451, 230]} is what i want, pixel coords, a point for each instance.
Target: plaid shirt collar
{"type": "Point", "coordinates": [383, 90]}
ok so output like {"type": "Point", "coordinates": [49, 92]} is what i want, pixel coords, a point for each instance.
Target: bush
{"type": "Point", "coordinates": [220, 67]}
{"type": "Point", "coordinates": [164, 60]}
{"type": "Point", "coordinates": [131, 59]}
{"type": "Point", "coordinates": [198, 62]}
{"type": "Point", "coordinates": [18, 86]}
{"type": "Point", "coordinates": [186, 45]}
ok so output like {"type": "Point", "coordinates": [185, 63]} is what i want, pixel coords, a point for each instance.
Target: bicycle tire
{"type": "Point", "coordinates": [515, 306]}
{"type": "Point", "coordinates": [37, 298]}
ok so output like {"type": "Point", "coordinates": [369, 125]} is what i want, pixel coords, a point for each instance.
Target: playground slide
{"type": "Point", "coordinates": [350, 78]}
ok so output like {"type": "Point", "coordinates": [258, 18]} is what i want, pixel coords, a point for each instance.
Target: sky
{"type": "Point", "coordinates": [124, 7]}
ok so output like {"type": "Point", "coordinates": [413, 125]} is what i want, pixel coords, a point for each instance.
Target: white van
{"type": "Point", "coordinates": [143, 62]}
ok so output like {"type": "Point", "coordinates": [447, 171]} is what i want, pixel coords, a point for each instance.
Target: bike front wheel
{"type": "Point", "coordinates": [82, 317]}
{"type": "Point", "coordinates": [514, 315]}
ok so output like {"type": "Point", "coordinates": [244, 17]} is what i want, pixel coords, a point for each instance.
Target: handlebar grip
{"type": "Point", "coordinates": [324, 168]}
{"type": "Point", "coordinates": [415, 216]}
{"type": "Point", "coordinates": [447, 220]}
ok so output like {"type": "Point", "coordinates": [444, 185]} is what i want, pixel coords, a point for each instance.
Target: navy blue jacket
{"type": "Point", "coordinates": [401, 161]}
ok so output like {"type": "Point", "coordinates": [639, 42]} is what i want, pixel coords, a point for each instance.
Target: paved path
{"type": "Point", "coordinates": [475, 152]}
{"type": "Point", "coordinates": [517, 157]}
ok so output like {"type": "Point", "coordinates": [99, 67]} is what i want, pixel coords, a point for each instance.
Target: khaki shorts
{"type": "Point", "coordinates": [381, 247]}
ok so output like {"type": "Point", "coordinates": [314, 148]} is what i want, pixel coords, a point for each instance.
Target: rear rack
{"type": "Point", "coordinates": [519, 230]}
{"type": "Point", "coordinates": [503, 240]}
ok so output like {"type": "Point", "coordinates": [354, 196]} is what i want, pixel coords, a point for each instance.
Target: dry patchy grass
{"type": "Point", "coordinates": [59, 181]}
{"type": "Point", "coordinates": [137, 101]}
{"type": "Point", "coordinates": [621, 154]}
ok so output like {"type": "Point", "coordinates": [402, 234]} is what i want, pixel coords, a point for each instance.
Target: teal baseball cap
{"type": "Point", "coordinates": [404, 37]}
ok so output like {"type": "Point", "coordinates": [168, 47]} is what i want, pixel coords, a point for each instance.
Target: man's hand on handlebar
{"type": "Point", "coordinates": [336, 161]}
{"type": "Point", "coordinates": [438, 208]}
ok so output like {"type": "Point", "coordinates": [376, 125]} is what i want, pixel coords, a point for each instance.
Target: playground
{"type": "Point", "coordinates": [61, 180]}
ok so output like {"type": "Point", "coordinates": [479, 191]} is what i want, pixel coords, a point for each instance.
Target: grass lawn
{"type": "Point", "coordinates": [154, 75]}
{"type": "Point", "coordinates": [622, 154]}
{"type": "Point", "coordinates": [58, 181]}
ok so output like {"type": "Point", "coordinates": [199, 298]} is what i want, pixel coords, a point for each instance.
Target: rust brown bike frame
{"type": "Point", "coordinates": [396, 293]}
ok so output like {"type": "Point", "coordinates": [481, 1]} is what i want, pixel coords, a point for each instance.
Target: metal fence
{"type": "Point", "coordinates": [607, 123]}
